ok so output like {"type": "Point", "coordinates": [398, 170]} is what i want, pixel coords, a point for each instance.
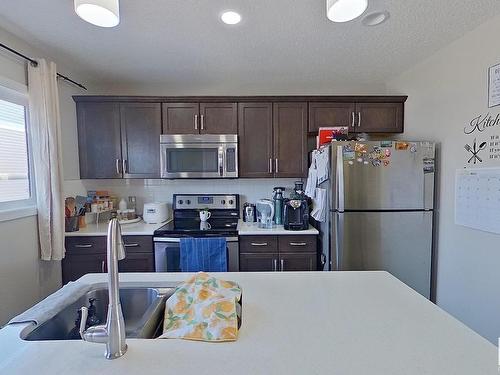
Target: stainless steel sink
{"type": "Point", "coordinates": [143, 310]}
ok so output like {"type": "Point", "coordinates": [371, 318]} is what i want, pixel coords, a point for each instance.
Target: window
{"type": "Point", "coordinates": [16, 189]}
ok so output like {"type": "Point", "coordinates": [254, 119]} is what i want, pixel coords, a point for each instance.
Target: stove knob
{"type": "Point", "coordinates": [223, 201]}
{"type": "Point", "coordinates": [188, 202]}
{"type": "Point", "coordinates": [181, 201]}
{"type": "Point", "coordinates": [231, 202]}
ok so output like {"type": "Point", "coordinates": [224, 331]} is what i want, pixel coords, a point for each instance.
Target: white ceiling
{"type": "Point", "coordinates": [182, 42]}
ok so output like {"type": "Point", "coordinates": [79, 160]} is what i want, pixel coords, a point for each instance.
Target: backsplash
{"type": "Point", "coordinates": [145, 191]}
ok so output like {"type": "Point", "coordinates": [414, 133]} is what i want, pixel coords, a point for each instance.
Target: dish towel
{"type": "Point", "coordinates": [203, 308]}
{"type": "Point", "coordinates": [203, 254]}
{"type": "Point", "coordinates": [322, 159]}
{"type": "Point", "coordinates": [319, 205]}
{"type": "Point", "coordinates": [312, 177]}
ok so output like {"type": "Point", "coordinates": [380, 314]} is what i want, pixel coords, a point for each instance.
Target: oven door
{"type": "Point", "coordinates": [167, 254]}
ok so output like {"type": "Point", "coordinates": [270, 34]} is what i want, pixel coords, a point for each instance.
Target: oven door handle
{"type": "Point", "coordinates": [177, 239]}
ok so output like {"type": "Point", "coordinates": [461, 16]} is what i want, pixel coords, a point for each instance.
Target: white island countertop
{"type": "Point", "coordinates": [252, 229]}
{"type": "Point", "coordinates": [101, 229]}
{"type": "Point", "coordinates": [292, 323]}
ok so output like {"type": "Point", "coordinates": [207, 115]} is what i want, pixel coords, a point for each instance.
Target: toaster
{"type": "Point", "coordinates": [155, 213]}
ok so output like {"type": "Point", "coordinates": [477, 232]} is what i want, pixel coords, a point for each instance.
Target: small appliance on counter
{"type": "Point", "coordinates": [265, 213]}
{"type": "Point", "coordinates": [296, 211]}
{"type": "Point", "coordinates": [155, 213]}
{"type": "Point", "coordinates": [249, 213]}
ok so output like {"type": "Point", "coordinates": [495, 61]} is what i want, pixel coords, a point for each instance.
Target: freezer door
{"type": "Point", "coordinates": [401, 177]}
{"type": "Point", "coordinates": [397, 242]}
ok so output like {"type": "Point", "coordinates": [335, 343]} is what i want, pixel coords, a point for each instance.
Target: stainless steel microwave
{"type": "Point", "coordinates": [199, 156]}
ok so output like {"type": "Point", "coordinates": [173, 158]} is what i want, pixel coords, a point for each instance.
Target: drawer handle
{"type": "Point", "coordinates": [259, 243]}
{"type": "Point", "coordinates": [298, 243]}
{"type": "Point", "coordinates": [86, 246]}
{"type": "Point", "coordinates": [131, 245]}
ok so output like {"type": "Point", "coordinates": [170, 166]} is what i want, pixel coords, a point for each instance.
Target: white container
{"type": "Point", "coordinates": [155, 213]}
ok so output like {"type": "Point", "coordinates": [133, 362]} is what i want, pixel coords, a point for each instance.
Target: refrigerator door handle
{"type": "Point", "coordinates": [339, 234]}
{"type": "Point", "coordinates": [339, 177]}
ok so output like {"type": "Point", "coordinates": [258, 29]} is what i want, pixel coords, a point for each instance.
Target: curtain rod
{"type": "Point", "coordinates": [35, 63]}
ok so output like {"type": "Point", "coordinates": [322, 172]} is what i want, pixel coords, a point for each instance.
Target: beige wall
{"type": "Point", "coordinates": [445, 92]}
{"type": "Point", "coordinates": [24, 279]}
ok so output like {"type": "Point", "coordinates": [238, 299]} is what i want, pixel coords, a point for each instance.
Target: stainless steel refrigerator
{"type": "Point", "coordinates": [381, 202]}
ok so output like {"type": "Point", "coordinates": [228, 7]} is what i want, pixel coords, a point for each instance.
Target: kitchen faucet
{"type": "Point", "coordinates": [113, 332]}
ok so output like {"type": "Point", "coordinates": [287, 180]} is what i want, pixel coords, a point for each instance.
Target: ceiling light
{"type": "Point", "coordinates": [103, 13]}
{"type": "Point", "coordinates": [345, 10]}
{"type": "Point", "coordinates": [230, 18]}
{"type": "Point", "coordinates": [376, 18]}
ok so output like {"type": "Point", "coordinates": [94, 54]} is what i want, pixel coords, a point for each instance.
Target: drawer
{"type": "Point", "coordinates": [298, 244]}
{"type": "Point", "coordinates": [87, 245]}
{"type": "Point", "coordinates": [258, 244]}
{"type": "Point", "coordinates": [138, 244]}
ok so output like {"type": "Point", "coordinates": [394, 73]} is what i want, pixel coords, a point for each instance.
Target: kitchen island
{"type": "Point", "coordinates": [292, 323]}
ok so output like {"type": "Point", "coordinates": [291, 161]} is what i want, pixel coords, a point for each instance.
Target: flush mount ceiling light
{"type": "Point", "coordinates": [103, 13]}
{"type": "Point", "coordinates": [376, 18]}
{"type": "Point", "coordinates": [345, 10]}
{"type": "Point", "coordinates": [230, 17]}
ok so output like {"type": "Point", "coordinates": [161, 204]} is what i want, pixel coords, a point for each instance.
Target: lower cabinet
{"type": "Point", "coordinates": [278, 253]}
{"type": "Point", "coordinates": [88, 255]}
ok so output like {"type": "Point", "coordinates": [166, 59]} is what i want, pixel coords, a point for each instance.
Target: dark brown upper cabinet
{"type": "Point", "coordinates": [140, 131]}
{"type": "Point", "coordinates": [200, 118]}
{"type": "Point", "coordinates": [181, 118]}
{"type": "Point", "coordinates": [119, 140]}
{"type": "Point", "coordinates": [361, 117]}
{"type": "Point", "coordinates": [379, 117]}
{"type": "Point", "coordinates": [99, 140]}
{"type": "Point", "coordinates": [330, 114]}
{"type": "Point", "coordinates": [290, 139]}
{"type": "Point", "coordinates": [255, 134]}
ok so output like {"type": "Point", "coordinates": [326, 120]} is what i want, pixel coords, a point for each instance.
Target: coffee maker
{"type": "Point", "coordinates": [296, 212]}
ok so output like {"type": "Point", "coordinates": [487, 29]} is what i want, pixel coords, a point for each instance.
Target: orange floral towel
{"type": "Point", "coordinates": [203, 309]}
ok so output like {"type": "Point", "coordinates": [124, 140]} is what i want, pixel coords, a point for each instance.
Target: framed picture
{"type": "Point", "coordinates": [494, 86]}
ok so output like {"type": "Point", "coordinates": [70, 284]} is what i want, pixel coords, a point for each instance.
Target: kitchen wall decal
{"type": "Point", "coordinates": [494, 146]}
{"type": "Point", "coordinates": [494, 86]}
{"type": "Point", "coordinates": [475, 149]}
{"type": "Point", "coordinates": [481, 123]}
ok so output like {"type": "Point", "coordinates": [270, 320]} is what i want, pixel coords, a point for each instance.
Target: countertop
{"type": "Point", "coordinates": [252, 229]}
{"type": "Point", "coordinates": [101, 229]}
{"type": "Point", "coordinates": [292, 323]}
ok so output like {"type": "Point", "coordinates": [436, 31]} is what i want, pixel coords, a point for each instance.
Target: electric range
{"type": "Point", "coordinates": [223, 222]}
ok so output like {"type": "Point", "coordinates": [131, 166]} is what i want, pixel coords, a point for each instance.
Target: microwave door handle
{"type": "Point", "coordinates": [221, 162]}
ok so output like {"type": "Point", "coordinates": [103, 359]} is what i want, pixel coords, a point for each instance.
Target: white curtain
{"type": "Point", "coordinates": [45, 128]}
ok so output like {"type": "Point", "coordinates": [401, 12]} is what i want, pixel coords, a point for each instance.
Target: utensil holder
{"type": "Point", "coordinates": [71, 224]}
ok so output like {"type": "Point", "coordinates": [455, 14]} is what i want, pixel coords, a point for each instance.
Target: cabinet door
{"type": "Point", "coordinates": [255, 131]}
{"type": "Point", "coordinates": [99, 140]}
{"type": "Point", "coordinates": [379, 117]}
{"type": "Point", "coordinates": [218, 118]}
{"type": "Point", "coordinates": [258, 262]}
{"type": "Point", "coordinates": [290, 139]}
{"type": "Point", "coordinates": [297, 262]}
{"type": "Point", "coordinates": [331, 114]}
{"type": "Point", "coordinates": [75, 266]}
{"type": "Point", "coordinates": [137, 262]}
{"type": "Point", "coordinates": [181, 118]}
{"type": "Point", "coordinates": [141, 129]}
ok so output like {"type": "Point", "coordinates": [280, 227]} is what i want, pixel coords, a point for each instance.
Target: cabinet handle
{"type": "Point", "coordinates": [270, 165]}
{"type": "Point", "coordinates": [103, 266]}
{"type": "Point", "coordinates": [298, 243]}
{"type": "Point", "coordinates": [276, 165]}
{"type": "Point", "coordinates": [131, 245]}
{"type": "Point", "coordinates": [353, 122]}
{"type": "Point", "coordinates": [117, 166]}
{"type": "Point", "coordinates": [195, 122]}
{"type": "Point", "coordinates": [86, 246]}
{"type": "Point", "coordinates": [282, 264]}
{"type": "Point", "coordinates": [359, 119]}
{"type": "Point", "coordinates": [124, 166]}
{"type": "Point", "coordinates": [258, 243]}
{"type": "Point", "coordinates": [275, 261]}
{"type": "Point", "coordinates": [202, 117]}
